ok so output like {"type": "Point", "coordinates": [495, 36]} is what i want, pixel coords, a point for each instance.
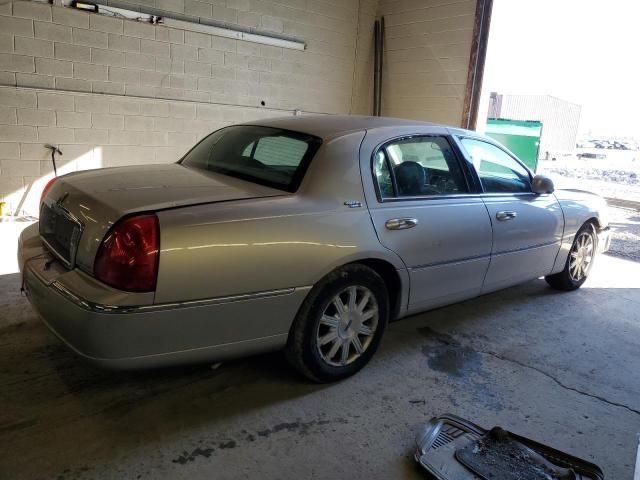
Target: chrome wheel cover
{"type": "Point", "coordinates": [347, 326]}
{"type": "Point", "coordinates": [581, 256]}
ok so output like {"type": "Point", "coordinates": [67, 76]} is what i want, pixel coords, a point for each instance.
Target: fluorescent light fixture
{"type": "Point", "coordinates": [196, 25]}
{"type": "Point", "coordinates": [233, 33]}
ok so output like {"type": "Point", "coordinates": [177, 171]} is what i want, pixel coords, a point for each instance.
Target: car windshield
{"type": "Point", "coordinates": [268, 156]}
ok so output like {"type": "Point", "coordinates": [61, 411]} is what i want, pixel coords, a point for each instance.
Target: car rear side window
{"type": "Point", "coordinates": [268, 156]}
{"type": "Point", "coordinates": [418, 166]}
{"type": "Point", "coordinates": [498, 171]}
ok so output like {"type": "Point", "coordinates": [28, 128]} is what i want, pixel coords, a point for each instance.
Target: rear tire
{"type": "Point", "coordinates": [339, 325]}
{"type": "Point", "coordinates": [579, 261]}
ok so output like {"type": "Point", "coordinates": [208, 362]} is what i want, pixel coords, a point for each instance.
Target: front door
{"type": "Point", "coordinates": [425, 213]}
{"type": "Point", "coordinates": [527, 227]}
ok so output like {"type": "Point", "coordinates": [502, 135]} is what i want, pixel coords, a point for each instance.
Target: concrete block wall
{"type": "Point", "coordinates": [115, 92]}
{"type": "Point", "coordinates": [427, 49]}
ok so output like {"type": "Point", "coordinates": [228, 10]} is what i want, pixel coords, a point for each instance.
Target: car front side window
{"type": "Point", "coordinates": [498, 171]}
{"type": "Point", "coordinates": [418, 166]}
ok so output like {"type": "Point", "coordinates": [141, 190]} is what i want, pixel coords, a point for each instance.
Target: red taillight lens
{"type": "Point", "coordinates": [128, 256]}
{"type": "Point", "coordinates": [46, 188]}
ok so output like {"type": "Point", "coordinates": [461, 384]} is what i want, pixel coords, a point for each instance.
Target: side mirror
{"type": "Point", "coordinates": [542, 184]}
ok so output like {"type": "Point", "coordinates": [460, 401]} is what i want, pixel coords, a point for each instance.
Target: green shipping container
{"type": "Point", "coordinates": [522, 137]}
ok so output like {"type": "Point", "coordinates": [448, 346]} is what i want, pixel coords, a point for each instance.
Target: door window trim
{"type": "Point", "coordinates": [464, 152]}
{"type": "Point", "coordinates": [456, 153]}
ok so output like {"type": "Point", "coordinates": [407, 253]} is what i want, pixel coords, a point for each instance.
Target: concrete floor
{"type": "Point", "coordinates": [560, 368]}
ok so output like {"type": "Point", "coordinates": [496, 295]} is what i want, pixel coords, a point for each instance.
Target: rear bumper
{"type": "Point", "coordinates": [145, 336]}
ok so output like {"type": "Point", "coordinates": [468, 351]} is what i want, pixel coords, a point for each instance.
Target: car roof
{"type": "Point", "coordinates": [331, 126]}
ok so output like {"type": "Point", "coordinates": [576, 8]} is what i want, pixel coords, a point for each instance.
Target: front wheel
{"type": "Point", "coordinates": [579, 261]}
{"type": "Point", "coordinates": [340, 324]}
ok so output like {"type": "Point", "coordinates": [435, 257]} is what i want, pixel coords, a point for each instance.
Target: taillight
{"type": "Point", "coordinates": [46, 188]}
{"type": "Point", "coordinates": [128, 256]}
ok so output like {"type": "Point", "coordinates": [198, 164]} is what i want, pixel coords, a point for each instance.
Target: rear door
{"type": "Point", "coordinates": [424, 209]}
{"type": "Point", "coordinates": [527, 227]}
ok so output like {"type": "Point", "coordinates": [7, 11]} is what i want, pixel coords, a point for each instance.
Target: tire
{"type": "Point", "coordinates": [319, 320]}
{"type": "Point", "coordinates": [575, 274]}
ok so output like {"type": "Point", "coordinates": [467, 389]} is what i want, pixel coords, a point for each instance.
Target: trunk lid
{"type": "Point", "coordinates": [80, 207]}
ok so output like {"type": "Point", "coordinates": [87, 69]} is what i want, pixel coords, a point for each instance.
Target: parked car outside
{"type": "Point", "coordinates": [307, 234]}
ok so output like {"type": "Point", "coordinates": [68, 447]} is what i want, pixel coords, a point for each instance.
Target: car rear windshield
{"type": "Point", "coordinates": [269, 156]}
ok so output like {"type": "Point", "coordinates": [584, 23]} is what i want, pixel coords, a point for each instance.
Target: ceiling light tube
{"type": "Point", "coordinates": [233, 33]}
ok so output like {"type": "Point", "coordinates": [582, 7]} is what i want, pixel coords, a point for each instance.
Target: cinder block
{"type": "Point", "coordinates": [11, 97]}
{"type": "Point", "coordinates": [55, 135]}
{"type": "Point", "coordinates": [51, 31]}
{"type": "Point", "coordinates": [169, 124]}
{"type": "Point", "coordinates": [210, 85]}
{"type": "Point", "coordinates": [18, 133]}
{"type": "Point", "coordinates": [90, 38]}
{"type": "Point", "coordinates": [171, 5]}
{"type": "Point", "coordinates": [271, 24]}
{"type": "Point", "coordinates": [8, 116]}
{"type": "Point", "coordinates": [57, 68]}
{"type": "Point", "coordinates": [34, 47]}
{"type": "Point", "coordinates": [183, 82]}
{"type": "Point", "coordinates": [153, 79]}
{"type": "Point", "coordinates": [17, 63]}
{"type": "Point", "coordinates": [140, 61]}
{"type": "Point", "coordinates": [211, 56]}
{"type": "Point", "coordinates": [223, 14]}
{"type": "Point", "coordinates": [171, 35]}
{"type": "Point", "coordinates": [224, 44]}
{"type": "Point", "coordinates": [197, 68]}
{"type": "Point", "coordinates": [183, 52]}
{"type": "Point", "coordinates": [197, 39]}
{"type": "Point", "coordinates": [6, 43]}
{"type": "Point", "coordinates": [32, 10]}
{"type": "Point", "coordinates": [182, 110]}
{"type": "Point", "coordinates": [154, 139]}
{"type": "Point", "coordinates": [181, 138]}
{"type": "Point", "coordinates": [224, 72]}
{"type": "Point", "coordinates": [16, 26]}
{"type": "Point", "coordinates": [124, 75]}
{"type": "Point", "coordinates": [141, 91]}
{"type": "Point", "coordinates": [19, 168]}
{"type": "Point", "coordinates": [112, 88]}
{"type": "Point", "coordinates": [10, 150]}
{"type": "Point", "coordinates": [239, 4]}
{"type": "Point", "coordinates": [73, 84]}
{"type": "Point", "coordinates": [70, 17]}
{"type": "Point", "coordinates": [34, 151]}
{"type": "Point", "coordinates": [168, 154]}
{"type": "Point", "coordinates": [102, 23]}
{"type": "Point", "coordinates": [153, 47]}
{"type": "Point", "coordinates": [154, 108]}
{"type": "Point", "coordinates": [87, 71]}
{"type": "Point", "coordinates": [166, 65]}
{"type": "Point", "coordinates": [124, 106]}
{"type": "Point", "coordinates": [124, 44]}
{"type": "Point", "coordinates": [249, 19]}
{"type": "Point", "coordinates": [92, 136]}
{"type": "Point", "coordinates": [76, 53]}
{"type": "Point", "coordinates": [33, 80]}
{"type": "Point", "coordinates": [123, 137]}
{"type": "Point", "coordinates": [107, 121]}
{"type": "Point", "coordinates": [139, 29]}
{"type": "Point", "coordinates": [107, 57]}
{"type": "Point", "coordinates": [35, 117]}
{"type": "Point", "coordinates": [73, 119]}
{"type": "Point", "coordinates": [55, 101]}
{"type": "Point", "coordinates": [269, 51]}
{"type": "Point", "coordinates": [259, 64]}
{"type": "Point", "coordinates": [197, 9]}
{"type": "Point", "coordinates": [138, 123]}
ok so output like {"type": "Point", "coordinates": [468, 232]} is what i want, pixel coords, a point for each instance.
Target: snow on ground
{"type": "Point", "coordinates": [616, 176]}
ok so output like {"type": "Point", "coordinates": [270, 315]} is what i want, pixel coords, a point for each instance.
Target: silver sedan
{"type": "Point", "coordinates": [304, 233]}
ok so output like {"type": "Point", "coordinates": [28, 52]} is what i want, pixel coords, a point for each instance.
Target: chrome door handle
{"type": "Point", "coordinates": [400, 223]}
{"type": "Point", "coordinates": [506, 215]}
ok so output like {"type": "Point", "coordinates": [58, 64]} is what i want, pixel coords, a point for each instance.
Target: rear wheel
{"type": "Point", "coordinates": [340, 324]}
{"type": "Point", "coordinates": [579, 261]}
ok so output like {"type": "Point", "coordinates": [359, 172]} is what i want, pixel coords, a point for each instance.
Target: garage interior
{"type": "Point", "coordinates": [111, 91]}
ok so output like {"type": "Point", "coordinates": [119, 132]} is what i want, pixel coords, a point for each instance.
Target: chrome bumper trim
{"type": "Point", "coordinates": [118, 309]}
